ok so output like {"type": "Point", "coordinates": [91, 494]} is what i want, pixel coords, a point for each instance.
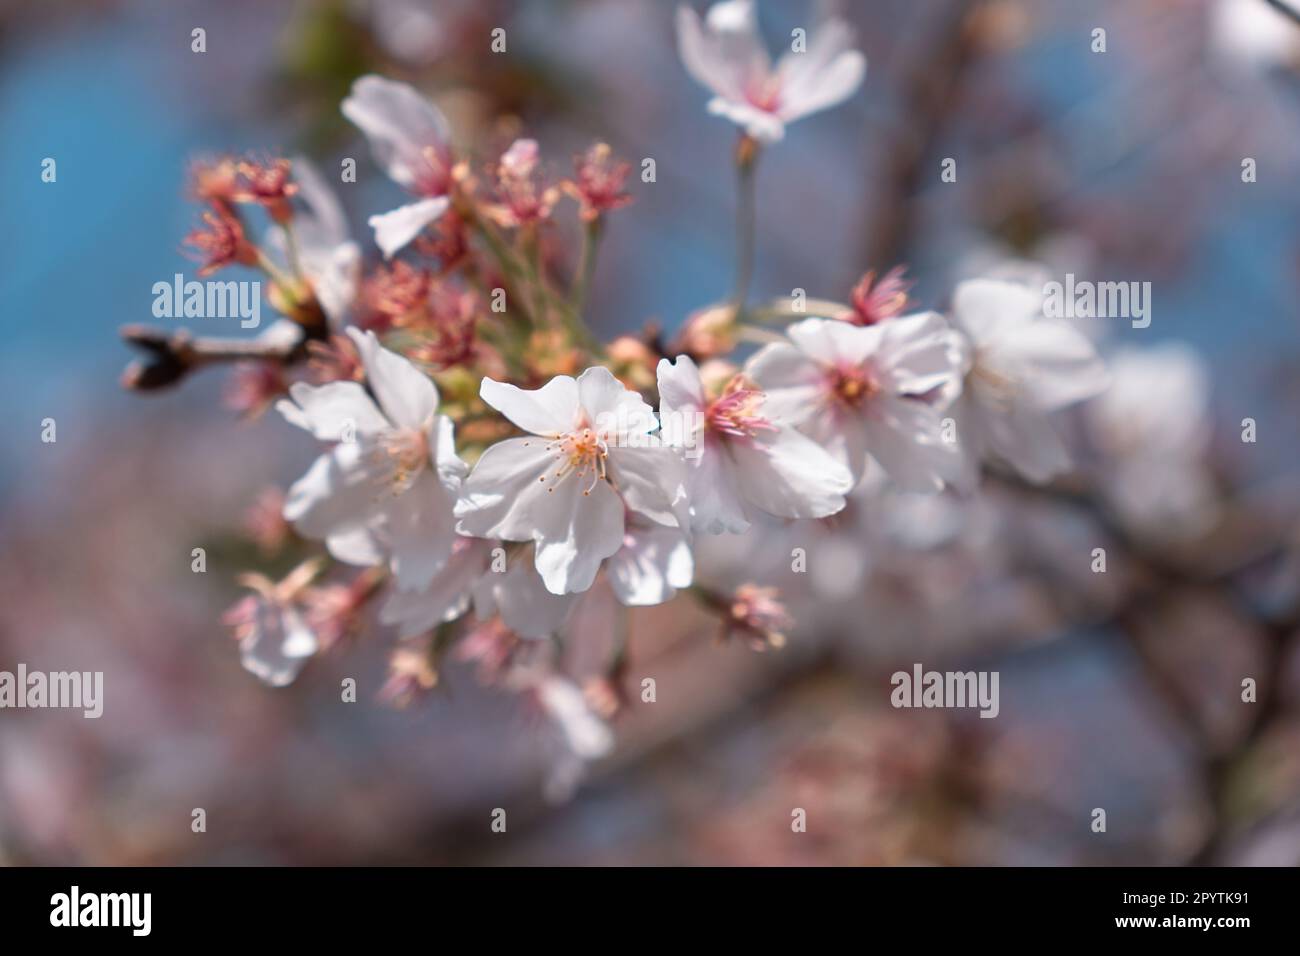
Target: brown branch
{"type": "Point", "coordinates": [1160, 572]}
{"type": "Point", "coordinates": [1221, 769]}
{"type": "Point", "coordinates": [929, 96]}
{"type": "Point", "coordinates": [170, 356]}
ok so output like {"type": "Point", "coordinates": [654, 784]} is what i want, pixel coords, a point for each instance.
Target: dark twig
{"type": "Point", "coordinates": [1284, 8]}
{"type": "Point", "coordinates": [170, 356]}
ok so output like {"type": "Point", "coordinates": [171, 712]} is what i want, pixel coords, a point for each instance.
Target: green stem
{"type": "Point", "coordinates": [586, 265]}
{"type": "Point", "coordinates": [783, 310]}
{"type": "Point", "coordinates": [285, 282]}
{"type": "Point", "coordinates": [510, 339]}
{"type": "Point", "coordinates": [511, 272]}
{"type": "Point", "coordinates": [512, 269]}
{"type": "Point", "coordinates": [745, 222]}
{"type": "Point", "coordinates": [572, 311]}
{"type": "Point", "coordinates": [754, 333]}
{"type": "Point", "coordinates": [533, 256]}
{"type": "Point", "coordinates": [291, 250]}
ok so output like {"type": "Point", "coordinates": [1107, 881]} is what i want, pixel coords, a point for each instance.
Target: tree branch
{"type": "Point", "coordinates": [1284, 8]}
{"type": "Point", "coordinates": [928, 98]}
{"type": "Point", "coordinates": [170, 356]}
{"type": "Point", "coordinates": [1161, 573]}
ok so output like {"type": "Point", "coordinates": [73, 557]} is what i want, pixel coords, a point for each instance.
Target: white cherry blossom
{"type": "Point", "coordinates": [522, 599]}
{"type": "Point", "coordinates": [726, 54]}
{"type": "Point", "coordinates": [275, 640]}
{"type": "Point", "coordinates": [410, 139]}
{"type": "Point", "coordinates": [471, 579]}
{"type": "Point", "coordinates": [387, 488]}
{"type": "Point", "coordinates": [585, 734]}
{"type": "Point", "coordinates": [577, 734]}
{"type": "Point", "coordinates": [447, 596]}
{"type": "Point", "coordinates": [868, 391]}
{"type": "Point", "coordinates": [568, 491]}
{"type": "Point", "coordinates": [330, 258]}
{"type": "Point", "coordinates": [653, 563]}
{"type": "Point", "coordinates": [1020, 367]}
{"type": "Point", "coordinates": [738, 459]}
{"type": "Point", "coordinates": [1151, 433]}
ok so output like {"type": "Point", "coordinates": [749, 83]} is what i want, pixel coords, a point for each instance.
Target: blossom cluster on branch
{"type": "Point", "coordinates": [495, 472]}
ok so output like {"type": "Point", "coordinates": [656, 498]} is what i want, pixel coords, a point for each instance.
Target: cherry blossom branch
{"type": "Point", "coordinates": [170, 356]}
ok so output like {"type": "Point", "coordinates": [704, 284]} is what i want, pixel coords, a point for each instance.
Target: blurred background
{"type": "Point", "coordinates": [1119, 691]}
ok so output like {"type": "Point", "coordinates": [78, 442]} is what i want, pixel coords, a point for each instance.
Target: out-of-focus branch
{"type": "Point", "coordinates": [1281, 6]}
{"type": "Point", "coordinates": [1159, 572]}
{"type": "Point", "coordinates": [170, 356]}
{"type": "Point", "coordinates": [1221, 769]}
{"type": "Point", "coordinates": [928, 97]}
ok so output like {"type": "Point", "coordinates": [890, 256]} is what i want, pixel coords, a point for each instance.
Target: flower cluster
{"type": "Point", "coordinates": [497, 474]}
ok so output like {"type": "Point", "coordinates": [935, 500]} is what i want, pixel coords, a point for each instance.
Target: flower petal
{"type": "Point", "coordinates": [333, 411]}
{"type": "Point", "coordinates": [698, 55]}
{"type": "Point", "coordinates": [335, 277]}
{"type": "Point", "coordinates": [843, 434]}
{"type": "Point", "coordinates": [921, 354]}
{"type": "Point", "coordinates": [408, 396]}
{"type": "Point", "coordinates": [712, 487]}
{"type": "Point", "coordinates": [584, 733]}
{"type": "Point", "coordinates": [1023, 436]}
{"type": "Point", "coordinates": [448, 594]}
{"type": "Point", "coordinates": [393, 230]}
{"type": "Point", "coordinates": [335, 495]}
{"type": "Point", "coordinates": [502, 495]}
{"type": "Point", "coordinates": [833, 342]}
{"type": "Point", "coordinates": [801, 73]}
{"type": "Point", "coordinates": [279, 644]}
{"type": "Point", "coordinates": [1056, 363]}
{"type": "Point", "coordinates": [575, 534]}
{"type": "Point", "coordinates": [450, 467]}
{"type": "Point", "coordinates": [651, 480]}
{"type": "Point", "coordinates": [419, 531]}
{"type": "Point", "coordinates": [903, 435]}
{"type": "Point", "coordinates": [399, 124]}
{"type": "Point", "coordinates": [763, 126]}
{"type": "Point", "coordinates": [615, 410]}
{"type": "Point", "coordinates": [326, 224]}
{"type": "Point", "coordinates": [828, 87]}
{"type": "Point", "coordinates": [356, 546]}
{"type": "Point", "coordinates": [520, 596]}
{"type": "Point", "coordinates": [652, 564]}
{"type": "Point", "coordinates": [726, 51]}
{"type": "Point", "coordinates": [792, 383]}
{"type": "Point", "coordinates": [680, 388]}
{"type": "Point", "coordinates": [992, 311]}
{"type": "Point", "coordinates": [787, 474]}
{"type": "Point", "coordinates": [543, 411]}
